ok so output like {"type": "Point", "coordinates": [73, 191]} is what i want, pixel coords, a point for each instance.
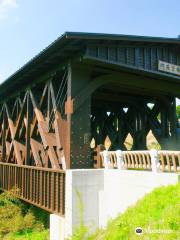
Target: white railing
{"type": "Point", "coordinates": [153, 160]}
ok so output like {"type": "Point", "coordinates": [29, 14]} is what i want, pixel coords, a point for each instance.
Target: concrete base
{"type": "Point", "coordinates": [82, 198]}
{"type": "Point", "coordinates": [95, 196]}
{"type": "Point", "coordinates": [57, 227]}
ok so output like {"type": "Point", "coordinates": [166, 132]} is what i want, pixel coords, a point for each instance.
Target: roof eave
{"type": "Point", "coordinates": [123, 67]}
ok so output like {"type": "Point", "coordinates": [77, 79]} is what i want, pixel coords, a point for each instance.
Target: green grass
{"type": "Point", "coordinates": [19, 220]}
{"type": "Point", "coordinates": [43, 235]}
{"type": "Point", "coordinates": [158, 211]}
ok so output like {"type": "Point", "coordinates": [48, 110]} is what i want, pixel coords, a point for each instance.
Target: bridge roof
{"type": "Point", "coordinates": [65, 47]}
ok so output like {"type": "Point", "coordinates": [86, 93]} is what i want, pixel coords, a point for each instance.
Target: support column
{"type": "Point", "coordinates": [174, 126]}
{"type": "Point", "coordinates": [57, 227]}
{"type": "Point", "coordinates": [80, 137]}
{"type": "Point", "coordinates": [139, 134]}
{"type": "Point", "coordinates": [169, 129]}
{"type": "Point", "coordinates": [173, 120]}
{"type": "Point", "coordinates": [164, 123]}
{"type": "Point", "coordinates": [80, 122]}
{"type": "Point", "coordinates": [121, 131]}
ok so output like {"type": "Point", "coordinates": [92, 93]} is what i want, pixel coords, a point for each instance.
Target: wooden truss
{"type": "Point", "coordinates": [135, 118]}
{"type": "Point", "coordinates": [34, 127]}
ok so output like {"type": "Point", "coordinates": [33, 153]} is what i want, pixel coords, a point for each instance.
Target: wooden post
{"type": "Point", "coordinates": [28, 130]}
{"type": "Point", "coordinates": [68, 113]}
{"type": "Point", "coordinates": [4, 126]}
{"type": "Point", "coordinates": [173, 120]}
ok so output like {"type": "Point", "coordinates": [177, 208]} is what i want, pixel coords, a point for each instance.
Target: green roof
{"type": "Point", "coordinates": [64, 48]}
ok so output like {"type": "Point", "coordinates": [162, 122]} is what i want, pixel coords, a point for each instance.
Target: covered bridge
{"type": "Point", "coordinates": [87, 86]}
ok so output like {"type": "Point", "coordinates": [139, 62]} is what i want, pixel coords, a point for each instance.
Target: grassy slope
{"type": "Point", "coordinates": [42, 235]}
{"type": "Point", "coordinates": [159, 210]}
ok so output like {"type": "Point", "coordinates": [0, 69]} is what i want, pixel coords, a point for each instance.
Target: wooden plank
{"type": "Point", "coordinates": [41, 188]}
{"type": "Point", "coordinates": [174, 162]}
{"type": "Point", "coordinates": [4, 126]}
{"type": "Point", "coordinates": [168, 162]}
{"type": "Point", "coordinates": [56, 192]}
{"type": "Point", "coordinates": [52, 192]}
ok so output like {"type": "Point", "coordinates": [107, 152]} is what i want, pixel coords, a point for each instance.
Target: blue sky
{"type": "Point", "coordinates": [28, 26]}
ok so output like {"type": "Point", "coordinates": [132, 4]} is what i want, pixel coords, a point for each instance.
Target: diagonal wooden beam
{"type": "Point", "coordinates": [15, 145]}
{"type": "Point", "coordinates": [39, 154]}
{"type": "Point", "coordinates": [48, 139]}
{"type": "Point", "coordinates": [40, 104]}
{"type": "Point", "coordinates": [60, 130]}
{"type": "Point", "coordinates": [20, 117]}
{"type": "Point", "coordinates": [14, 129]}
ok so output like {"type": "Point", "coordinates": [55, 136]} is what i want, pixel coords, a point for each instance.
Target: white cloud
{"type": "Point", "coordinates": [6, 6]}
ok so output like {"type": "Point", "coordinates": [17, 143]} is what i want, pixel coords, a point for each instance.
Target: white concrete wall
{"type": "Point", "coordinates": [88, 183]}
{"type": "Point", "coordinates": [105, 193]}
{"type": "Point", "coordinates": [57, 227]}
{"type": "Point", "coordinates": [123, 188]}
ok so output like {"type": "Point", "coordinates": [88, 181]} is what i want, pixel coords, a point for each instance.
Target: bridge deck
{"type": "Point", "coordinates": [45, 187]}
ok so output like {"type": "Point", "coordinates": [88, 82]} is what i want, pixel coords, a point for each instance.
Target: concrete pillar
{"type": "Point", "coordinates": [82, 199]}
{"type": "Point", "coordinates": [120, 162]}
{"type": "Point", "coordinates": [154, 160]}
{"type": "Point", "coordinates": [106, 159]}
{"type": "Point", "coordinates": [57, 227]}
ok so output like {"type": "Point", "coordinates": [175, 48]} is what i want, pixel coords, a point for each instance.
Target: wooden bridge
{"type": "Point", "coordinates": [83, 87]}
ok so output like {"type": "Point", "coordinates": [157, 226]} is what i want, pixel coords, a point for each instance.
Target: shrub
{"type": "Point", "coordinates": [16, 216]}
